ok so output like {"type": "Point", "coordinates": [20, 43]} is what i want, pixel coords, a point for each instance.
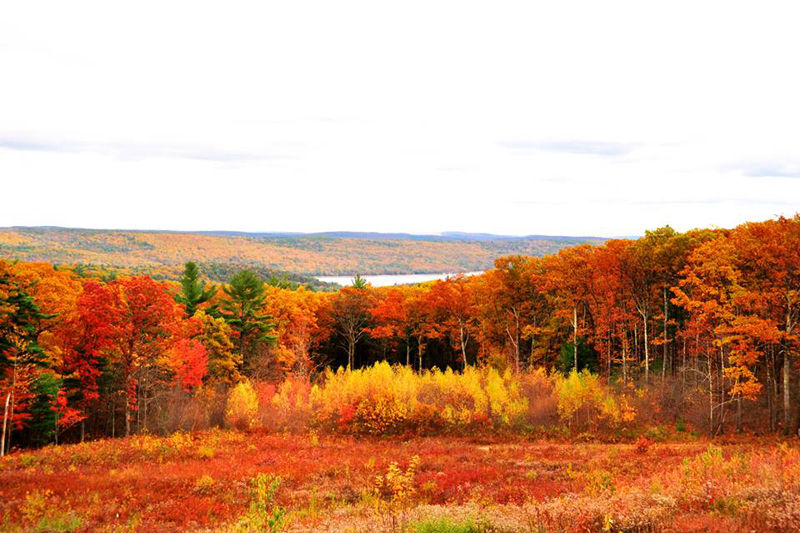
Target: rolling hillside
{"type": "Point", "coordinates": [307, 254]}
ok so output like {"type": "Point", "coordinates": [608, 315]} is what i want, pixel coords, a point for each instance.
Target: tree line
{"type": "Point", "coordinates": [710, 315]}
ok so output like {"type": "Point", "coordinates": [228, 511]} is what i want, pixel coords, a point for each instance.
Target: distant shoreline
{"type": "Point", "coordinates": [388, 280]}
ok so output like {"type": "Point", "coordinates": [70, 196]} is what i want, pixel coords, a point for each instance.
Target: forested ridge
{"type": "Point", "coordinates": [697, 328]}
{"type": "Point", "coordinates": [342, 253]}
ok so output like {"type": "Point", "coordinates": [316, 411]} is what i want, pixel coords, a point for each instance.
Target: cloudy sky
{"type": "Point", "coordinates": [563, 118]}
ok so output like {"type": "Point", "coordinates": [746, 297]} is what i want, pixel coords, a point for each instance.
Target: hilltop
{"type": "Point", "coordinates": [332, 253]}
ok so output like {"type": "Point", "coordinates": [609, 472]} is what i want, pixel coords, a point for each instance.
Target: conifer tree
{"type": "Point", "coordinates": [193, 290]}
{"type": "Point", "coordinates": [243, 311]}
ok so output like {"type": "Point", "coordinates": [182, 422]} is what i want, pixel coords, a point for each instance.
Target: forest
{"type": "Point", "coordinates": [162, 254]}
{"type": "Point", "coordinates": [676, 341]}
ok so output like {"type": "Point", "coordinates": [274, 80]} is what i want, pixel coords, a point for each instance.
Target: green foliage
{"type": "Point", "coordinates": [263, 514]}
{"type": "Point", "coordinates": [20, 319]}
{"type": "Point", "coordinates": [193, 289]}
{"type": "Point", "coordinates": [359, 282]}
{"type": "Point", "coordinates": [587, 357]}
{"type": "Point", "coordinates": [42, 513]}
{"type": "Point", "coordinates": [242, 310]}
{"type": "Point", "coordinates": [446, 525]}
{"type": "Point", "coordinates": [42, 424]}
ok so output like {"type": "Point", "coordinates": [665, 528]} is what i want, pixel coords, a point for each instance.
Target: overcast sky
{"type": "Point", "coordinates": [563, 118]}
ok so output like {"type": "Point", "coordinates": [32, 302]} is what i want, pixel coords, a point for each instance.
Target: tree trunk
{"type": "Point", "coordinates": [127, 417]}
{"type": "Point", "coordinates": [624, 356]}
{"type": "Point", "coordinates": [515, 337]}
{"type": "Point", "coordinates": [463, 345]}
{"type": "Point", "coordinates": [739, 428]}
{"type": "Point", "coordinates": [721, 392]}
{"type": "Point", "coordinates": [683, 370]}
{"type": "Point", "coordinates": [787, 397]}
{"type": "Point", "coordinates": [575, 335]}
{"type": "Point", "coordinates": [5, 423]}
{"type": "Point", "coordinates": [351, 354]}
{"type": "Point", "coordinates": [144, 410]}
{"type": "Point", "coordinates": [710, 398]}
{"type": "Point", "coordinates": [10, 427]}
{"type": "Point", "coordinates": [787, 372]}
{"type": "Point", "coordinates": [646, 354]}
{"type": "Point", "coordinates": [666, 339]}
{"type": "Point", "coordinates": [533, 344]}
{"type": "Point", "coordinates": [408, 351]}
{"type": "Point", "coordinates": [773, 390]}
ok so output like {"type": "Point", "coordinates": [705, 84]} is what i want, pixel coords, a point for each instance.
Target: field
{"type": "Point", "coordinates": [204, 482]}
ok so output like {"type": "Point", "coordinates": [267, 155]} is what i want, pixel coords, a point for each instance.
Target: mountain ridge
{"type": "Point", "coordinates": [445, 235]}
{"type": "Point", "coordinates": [321, 254]}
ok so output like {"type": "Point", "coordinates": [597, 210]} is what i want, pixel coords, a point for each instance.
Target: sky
{"type": "Point", "coordinates": [559, 118]}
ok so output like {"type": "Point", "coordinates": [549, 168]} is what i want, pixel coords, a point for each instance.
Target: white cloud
{"type": "Point", "coordinates": [510, 117]}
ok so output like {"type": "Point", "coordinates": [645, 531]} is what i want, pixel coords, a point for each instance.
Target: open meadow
{"type": "Point", "coordinates": [634, 386]}
{"type": "Point", "coordinates": [219, 480]}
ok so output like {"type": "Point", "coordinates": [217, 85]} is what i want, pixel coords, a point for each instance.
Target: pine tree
{"type": "Point", "coordinates": [242, 310]}
{"type": "Point", "coordinates": [193, 290]}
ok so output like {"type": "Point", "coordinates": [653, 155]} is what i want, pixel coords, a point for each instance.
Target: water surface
{"type": "Point", "coordinates": [387, 280]}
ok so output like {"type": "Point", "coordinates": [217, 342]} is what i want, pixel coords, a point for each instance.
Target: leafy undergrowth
{"type": "Point", "coordinates": [233, 481]}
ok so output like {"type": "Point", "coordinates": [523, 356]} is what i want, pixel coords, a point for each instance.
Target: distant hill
{"type": "Point", "coordinates": [332, 253]}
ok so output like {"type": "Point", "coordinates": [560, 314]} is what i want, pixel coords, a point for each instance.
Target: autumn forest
{"type": "Point", "coordinates": [686, 344]}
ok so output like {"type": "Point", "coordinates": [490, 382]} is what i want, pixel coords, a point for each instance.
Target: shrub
{"type": "Point", "coordinates": [642, 445]}
{"type": "Point", "coordinates": [539, 389]}
{"type": "Point", "coordinates": [205, 452]}
{"type": "Point", "coordinates": [289, 408]}
{"type": "Point", "coordinates": [44, 513]}
{"type": "Point", "coordinates": [383, 399]}
{"type": "Point", "coordinates": [585, 402]}
{"type": "Point", "coordinates": [444, 525]}
{"type": "Point", "coordinates": [242, 406]}
{"type": "Point", "coordinates": [204, 484]}
{"type": "Point", "coordinates": [263, 514]}
{"type": "Point", "coordinates": [394, 492]}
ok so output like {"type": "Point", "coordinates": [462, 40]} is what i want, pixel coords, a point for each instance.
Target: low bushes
{"type": "Point", "coordinates": [242, 408]}
{"type": "Point", "coordinates": [389, 400]}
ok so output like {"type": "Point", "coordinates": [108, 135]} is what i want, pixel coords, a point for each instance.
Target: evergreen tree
{"type": "Point", "coordinates": [193, 290]}
{"type": "Point", "coordinates": [242, 310]}
{"type": "Point", "coordinates": [21, 357]}
{"type": "Point", "coordinates": [359, 282]}
{"type": "Point", "coordinates": [42, 422]}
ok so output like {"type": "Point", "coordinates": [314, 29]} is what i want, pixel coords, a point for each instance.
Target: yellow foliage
{"type": "Point", "coordinates": [385, 399]}
{"type": "Point", "coordinates": [242, 407]}
{"type": "Point", "coordinates": [584, 399]}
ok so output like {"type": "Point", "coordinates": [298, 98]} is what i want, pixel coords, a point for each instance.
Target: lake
{"type": "Point", "coordinates": [388, 280]}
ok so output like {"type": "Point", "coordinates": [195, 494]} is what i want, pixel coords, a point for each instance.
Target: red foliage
{"type": "Point", "coordinates": [67, 416]}
{"type": "Point", "coordinates": [642, 445]}
{"type": "Point", "coordinates": [189, 362]}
